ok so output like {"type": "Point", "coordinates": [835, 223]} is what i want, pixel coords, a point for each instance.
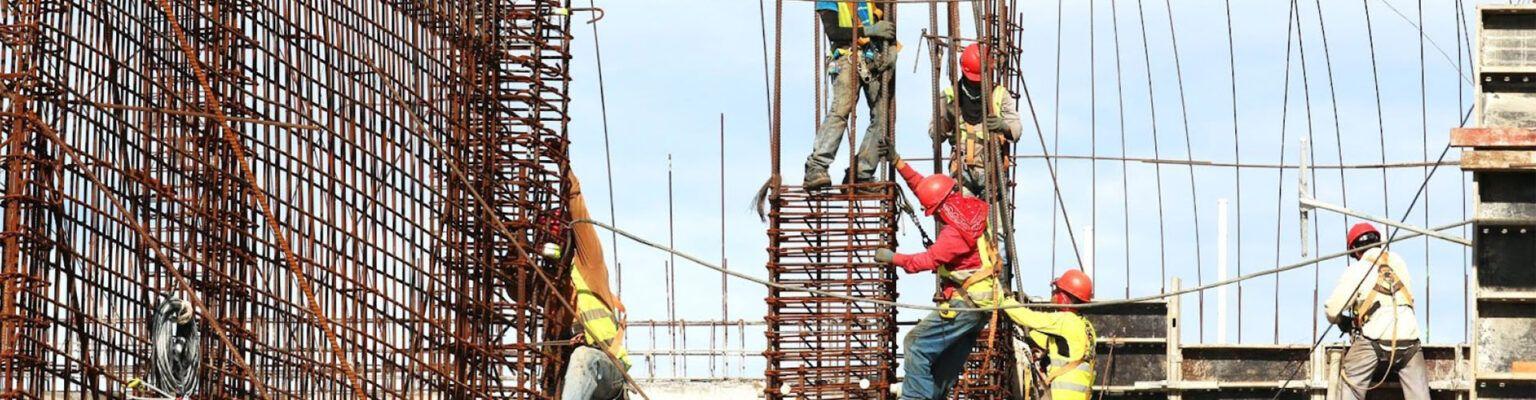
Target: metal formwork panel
{"type": "Point", "coordinates": [822, 347]}
{"type": "Point", "coordinates": [1504, 229]}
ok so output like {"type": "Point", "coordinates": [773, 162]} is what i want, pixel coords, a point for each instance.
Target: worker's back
{"type": "Point", "coordinates": [601, 327]}
{"type": "Point", "coordinates": [1386, 308]}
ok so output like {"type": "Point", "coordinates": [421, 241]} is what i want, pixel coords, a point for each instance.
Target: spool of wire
{"type": "Point", "coordinates": [174, 345]}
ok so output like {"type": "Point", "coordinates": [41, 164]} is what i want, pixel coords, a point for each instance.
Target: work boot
{"type": "Point", "coordinates": [862, 183]}
{"type": "Point", "coordinates": [816, 179]}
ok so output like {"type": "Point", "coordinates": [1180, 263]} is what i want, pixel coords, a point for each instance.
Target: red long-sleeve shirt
{"type": "Point", "coordinates": [965, 218]}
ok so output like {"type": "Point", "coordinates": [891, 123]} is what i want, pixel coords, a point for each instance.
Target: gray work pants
{"type": "Point", "coordinates": [1361, 362]}
{"type": "Point", "coordinates": [846, 85]}
{"type": "Point", "coordinates": [591, 375]}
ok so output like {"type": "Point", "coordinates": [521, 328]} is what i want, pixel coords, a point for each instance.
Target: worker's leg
{"type": "Point", "coordinates": [591, 375]}
{"type": "Point", "coordinates": [845, 94]}
{"type": "Point", "coordinates": [1357, 366]}
{"type": "Point", "coordinates": [1412, 376]}
{"type": "Point", "coordinates": [925, 348]}
{"type": "Point", "coordinates": [873, 147]}
{"type": "Point", "coordinates": [946, 370]}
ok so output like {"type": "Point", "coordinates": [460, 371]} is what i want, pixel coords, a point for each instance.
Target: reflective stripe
{"type": "Point", "coordinates": [1059, 385]}
{"type": "Point", "coordinates": [592, 315]}
{"type": "Point", "coordinates": [1063, 361]}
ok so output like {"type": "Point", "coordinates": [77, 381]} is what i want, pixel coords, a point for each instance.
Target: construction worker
{"type": "Point", "coordinates": [1374, 303]}
{"type": "Point", "coordinates": [965, 256]}
{"type": "Point", "coordinates": [981, 115]}
{"type": "Point", "coordinates": [592, 373]}
{"type": "Point", "coordinates": [1063, 340]}
{"type": "Point", "coordinates": [868, 71]}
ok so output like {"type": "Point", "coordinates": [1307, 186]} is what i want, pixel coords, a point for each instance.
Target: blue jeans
{"type": "Point", "coordinates": [846, 85]}
{"type": "Point", "coordinates": [936, 351]}
{"type": "Point", "coordinates": [591, 375]}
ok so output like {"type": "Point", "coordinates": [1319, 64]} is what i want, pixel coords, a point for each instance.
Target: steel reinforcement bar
{"type": "Point", "coordinates": [333, 103]}
{"type": "Point", "coordinates": [821, 347]}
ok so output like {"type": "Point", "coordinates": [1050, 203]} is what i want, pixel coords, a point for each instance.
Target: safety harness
{"type": "Point", "coordinates": [964, 280]}
{"type": "Point", "coordinates": [1062, 364]}
{"type": "Point", "coordinates": [1388, 284]}
{"type": "Point", "coordinates": [970, 139]}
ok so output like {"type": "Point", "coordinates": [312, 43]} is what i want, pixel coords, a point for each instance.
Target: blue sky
{"type": "Point", "coordinates": [672, 67]}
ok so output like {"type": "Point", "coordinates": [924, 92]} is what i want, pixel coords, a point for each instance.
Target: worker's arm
{"type": "Point", "coordinates": [908, 174]}
{"type": "Point", "coordinates": [835, 33]}
{"type": "Point", "coordinates": [940, 128]}
{"type": "Point", "coordinates": [1062, 324]}
{"type": "Point", "coordinates": [1010, 115]}
{"type": "Point", "coordinates": [1342, 291]}
{"type": "Point", "coordinates": [948, 249]}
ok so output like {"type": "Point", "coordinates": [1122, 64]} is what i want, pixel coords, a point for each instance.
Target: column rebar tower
{"type": "Point", "coordinates": [823, 347]}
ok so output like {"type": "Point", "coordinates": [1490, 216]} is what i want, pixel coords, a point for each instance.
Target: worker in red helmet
{"type": "Point", "coordinates": [971, 116]}
{"type": "Point", "coordinates": [863, 50]}
{"type": "Point", "coordinates": [936, 349]}
{"type": "Point", "coordinates": [1373, 302]}
{"type": "Point", "coordinates": [965, 257]}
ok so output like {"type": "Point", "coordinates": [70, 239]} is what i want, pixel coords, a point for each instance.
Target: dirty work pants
{"type": "Point", "coordinates": [936, 350]}
{"type": "Point", "coordinates": [846, 85]}
{"type": "Point", "coordinates": [591, 375]}
{"type": "Point", "coordinates": [1362, 361]}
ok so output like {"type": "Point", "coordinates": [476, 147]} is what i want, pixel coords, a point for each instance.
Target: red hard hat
{"type": "Point", "coordinates": [932, 191]}
{"type": "Point", "coordinates": [1360, 229]}
{"type": "Point", "coordinates": [1075, 283]}
{"type": "Point", "coordinates": [970, 62]}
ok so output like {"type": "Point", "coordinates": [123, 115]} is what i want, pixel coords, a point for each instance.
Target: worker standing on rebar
{"type": "Point", "coordinates": [993, 114]}
{"type": "Point", "coordinates": [876, 53]}
{"type": "Point", "coordinates": [592, 373]}
{"type": "Point", "coordinates": [1373, 302]}
{"type": "Point", "coordinates": [936, 349]}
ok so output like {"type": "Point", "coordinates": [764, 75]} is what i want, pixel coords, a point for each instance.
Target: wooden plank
{"type": "Point", "coordinates": [1494, 137]}
{"type": "Point", "coordinates": [1498, 160]}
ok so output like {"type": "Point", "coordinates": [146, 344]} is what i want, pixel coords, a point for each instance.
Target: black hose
{"type": "Point", "coordinates": [174, 347]}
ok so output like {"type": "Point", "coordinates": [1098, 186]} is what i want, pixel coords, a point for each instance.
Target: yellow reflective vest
{"type": "Point", "coordinates": [1068, 341]}
{"type": "Point", "coordinates": [602, 327]}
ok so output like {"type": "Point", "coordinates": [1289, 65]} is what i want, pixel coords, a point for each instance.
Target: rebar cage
{"type": "Point", "coordinates": [411, 154]}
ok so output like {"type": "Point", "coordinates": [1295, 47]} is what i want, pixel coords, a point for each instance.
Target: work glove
{"type": "Point", "coordinates": [997, 125]}
{"type": "Point", "coordinates": [881, 30]}
{"type": "Point", "coordinates": [897, 163]}
{"type": "Point", "coordinates": [884, 256]}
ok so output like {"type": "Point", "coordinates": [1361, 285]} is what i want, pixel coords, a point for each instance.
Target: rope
{"type": "Point", "coordinates": [175, 343]}
{"type": "Point", "coordinates": [1106, 303]}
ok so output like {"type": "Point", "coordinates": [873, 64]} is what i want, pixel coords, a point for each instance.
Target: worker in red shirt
{"type": "Point", "coordinates": [963, 255]}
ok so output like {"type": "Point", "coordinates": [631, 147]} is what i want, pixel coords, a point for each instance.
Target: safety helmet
{"type": "Point", "coordinates": [970, 62]}
{"type": "Point", "coordinates": [933, 190]}
{"type": "Point", "coordinates": [1362, 234]}
{"type": "Point", "coordinates": [1075, 284]}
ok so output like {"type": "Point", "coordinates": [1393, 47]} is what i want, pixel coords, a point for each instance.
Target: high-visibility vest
{"type": "Point", "coordinates": [849, 11]}
{"type": "Point", "coordinates": [969, 138]}
{"type": "Point", "coordinates": [601, 325]}
{"type": "Point", "coordinates": [1387, 292]}
{"type": "Point", "coordinates": [1070, 379]}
